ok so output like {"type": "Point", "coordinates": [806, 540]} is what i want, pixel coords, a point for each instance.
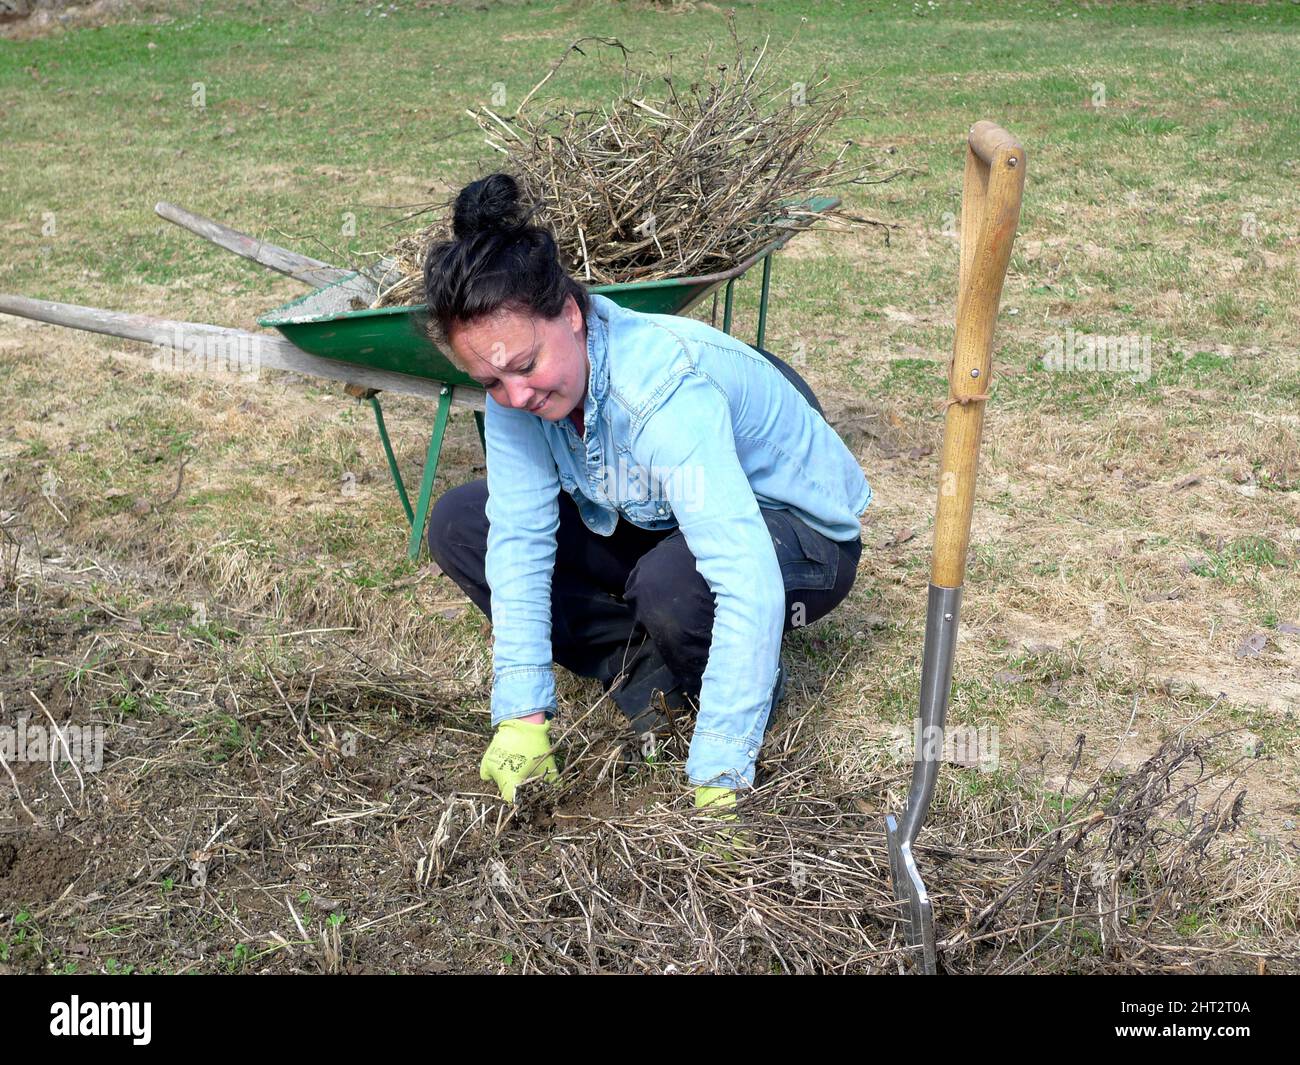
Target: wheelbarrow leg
{"type": "Point", "coordinates": [728, 306]}
{"type": "Point", "coordinates": [482, 433]}
{"type": "Point", "coordinates": [762, 301]}
{"type": "Point", "coordinates": [430, 470]}
{"type": "Point", "coordinates": [392, 459]}
{"type": "Point", "coordinates": [991, 195]}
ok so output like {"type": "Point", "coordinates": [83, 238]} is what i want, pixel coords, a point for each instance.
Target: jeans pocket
{"type": "Point", "coordinates": [809, 561]}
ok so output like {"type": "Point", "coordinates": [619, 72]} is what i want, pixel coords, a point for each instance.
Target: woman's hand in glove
{"type": "Point", "coordinates": [520, 750]}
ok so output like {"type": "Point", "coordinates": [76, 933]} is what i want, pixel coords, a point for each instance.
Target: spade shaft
{"type": "Point", "coordinates": [991, 195]}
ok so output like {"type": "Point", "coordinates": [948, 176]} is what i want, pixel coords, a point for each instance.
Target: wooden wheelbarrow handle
{"type": "Point", "coordinates": [302, 268]}
{"type": "Point", "coordinates": [256, 351]}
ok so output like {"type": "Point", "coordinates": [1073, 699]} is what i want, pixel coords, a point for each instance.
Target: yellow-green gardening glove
{"type": "Point", "coordinates": [728, 842]}
{"type": "Point", "coordinates": [520, 750]}
{"type": "Point", "coordinates": [721, 802]}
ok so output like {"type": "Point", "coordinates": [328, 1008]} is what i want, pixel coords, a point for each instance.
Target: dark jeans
{"type": "Point", "coordinates": [631, 609]}
{"type": "Point", "coordinates": [632, 605]}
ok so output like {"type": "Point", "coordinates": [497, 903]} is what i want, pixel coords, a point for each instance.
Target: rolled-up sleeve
{"type": "Point", "coordinates": [689, 446]}
{"type": "Point", "coordinates": [523, 515]}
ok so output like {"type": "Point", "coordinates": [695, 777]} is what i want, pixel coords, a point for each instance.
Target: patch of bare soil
{"type": "Point", "coordinates": [23, 20]}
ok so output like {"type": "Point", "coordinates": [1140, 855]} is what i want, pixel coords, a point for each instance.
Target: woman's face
{"type": "Point", "coordinates": [527, 363]}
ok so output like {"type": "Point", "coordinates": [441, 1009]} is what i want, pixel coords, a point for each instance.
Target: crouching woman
{"type": "Point", "coordinates": [662, 502]}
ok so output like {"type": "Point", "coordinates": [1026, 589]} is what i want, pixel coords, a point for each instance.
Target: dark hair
{"type": "Point", "coordinates": [497, 260]}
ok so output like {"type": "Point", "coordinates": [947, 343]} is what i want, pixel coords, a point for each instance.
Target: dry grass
{"type": "Point", "coordinates": [312, 805]}
{"type": "Point", "coordinates": [1057, 605]}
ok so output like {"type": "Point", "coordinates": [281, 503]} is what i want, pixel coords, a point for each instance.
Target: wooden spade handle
{"type": "Point", "coordinates": [986, 138]}
{"type": "Point", "coordinates": [991, 195]}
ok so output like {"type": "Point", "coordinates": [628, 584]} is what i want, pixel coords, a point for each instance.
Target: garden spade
{"type": "Point", "coordinates": [990, 213]}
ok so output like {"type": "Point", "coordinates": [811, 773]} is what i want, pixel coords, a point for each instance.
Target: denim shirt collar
{"type": "Point", "coordinates": [597, 358]}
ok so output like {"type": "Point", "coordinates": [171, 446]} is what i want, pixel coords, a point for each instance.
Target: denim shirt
{"type": "Point", "coordinates": [685, 426]}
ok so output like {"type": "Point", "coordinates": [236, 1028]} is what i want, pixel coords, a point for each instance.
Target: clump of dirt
{"type": "Point", "coordinates": [38, 867]}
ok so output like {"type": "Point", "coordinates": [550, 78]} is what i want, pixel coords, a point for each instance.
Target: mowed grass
{"type": "Point", "coordinates": [1133, 528]}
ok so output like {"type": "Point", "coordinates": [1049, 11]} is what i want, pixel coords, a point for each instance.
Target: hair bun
{"type": "Point", "coordinates": [489, 205]}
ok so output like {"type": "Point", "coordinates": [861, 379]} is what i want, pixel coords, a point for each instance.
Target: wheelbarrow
{"type": "Point", "coordinates": [332, 332]}
{"type": "Point", "coordinates": [990, 214]}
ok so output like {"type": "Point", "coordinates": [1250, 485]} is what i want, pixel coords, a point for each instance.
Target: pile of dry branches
{"type": "Point", "coordinates": [669, 180]}
{"type": "Point", "coordinates": [1090, 885]}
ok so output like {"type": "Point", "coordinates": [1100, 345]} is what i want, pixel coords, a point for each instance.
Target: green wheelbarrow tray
{"type": "Point", "coordinates": [336, 321]}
